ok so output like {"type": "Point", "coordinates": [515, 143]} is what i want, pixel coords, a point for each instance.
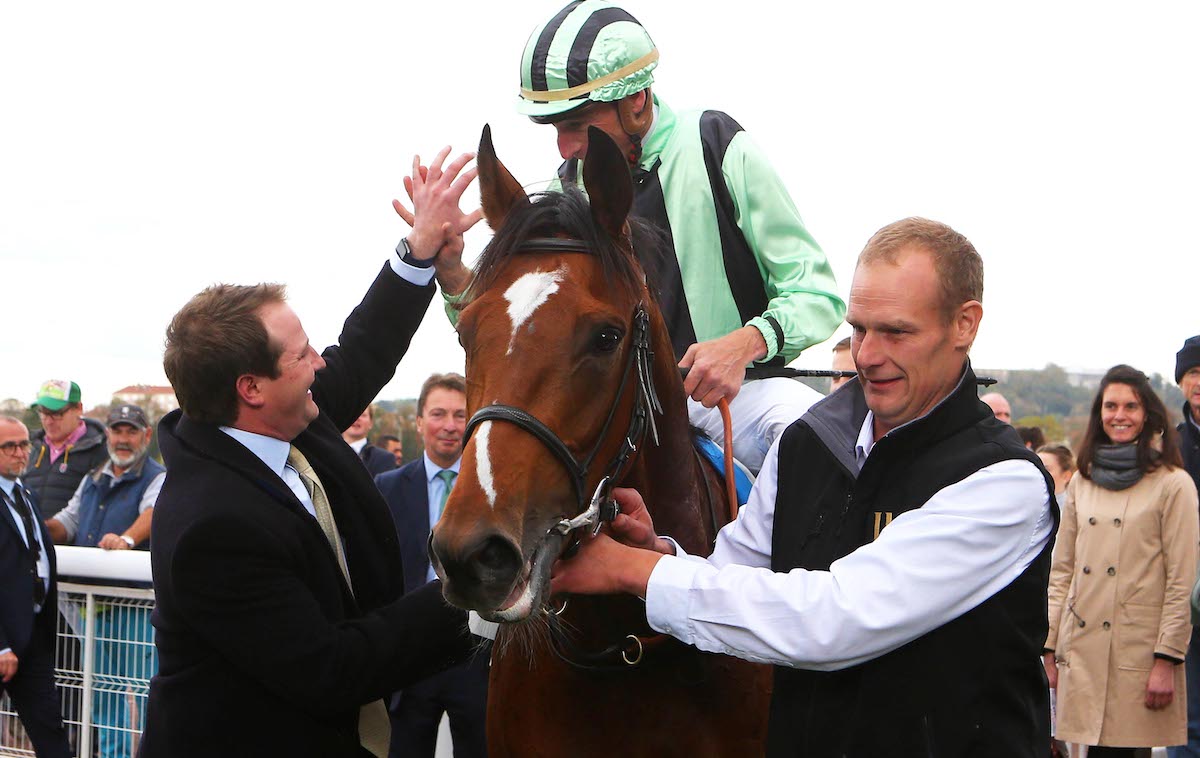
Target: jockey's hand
{"type": "Point", "coordinates": [8, 666]}
{"type": "Point", "coordinates": [1160, 689]}
{"type": "Point", "coordinates": [437, 220]}
{"type": "Point", "coordinates": [633, 525]}
{"type": "Point", "coordinates": [717, 367]}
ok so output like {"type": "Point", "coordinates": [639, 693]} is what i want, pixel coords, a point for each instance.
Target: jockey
{"type": "Point", "coordinates": [746, 283]}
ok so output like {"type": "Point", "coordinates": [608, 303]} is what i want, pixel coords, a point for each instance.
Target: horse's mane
{"type": "Point", "coordinates": [566, 213]}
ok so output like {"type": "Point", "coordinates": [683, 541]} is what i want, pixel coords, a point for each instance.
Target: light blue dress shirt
{"type": "Point", "coordinates": [274, 452]}
{"type": "Point", "coordinates": [435, 489]}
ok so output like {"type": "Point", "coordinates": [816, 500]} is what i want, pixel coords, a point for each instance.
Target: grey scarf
{"type": "Point", "coordinates": [1115, 467]}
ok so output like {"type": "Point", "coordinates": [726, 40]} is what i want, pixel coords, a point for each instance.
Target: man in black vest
{"type": "Point", "coordinates": [892, 561]}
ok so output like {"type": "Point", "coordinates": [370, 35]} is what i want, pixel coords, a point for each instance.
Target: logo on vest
{"type": "Point", "coordinates": [882, 519]}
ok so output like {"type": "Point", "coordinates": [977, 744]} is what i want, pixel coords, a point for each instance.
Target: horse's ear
{"type": "Point", "coordinates": [608, 182]}
{"type": "Point", "coordinates": [499, 192]}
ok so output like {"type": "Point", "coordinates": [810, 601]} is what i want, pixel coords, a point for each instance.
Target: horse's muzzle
{"type": "Point", "coordinates": [477, 573]}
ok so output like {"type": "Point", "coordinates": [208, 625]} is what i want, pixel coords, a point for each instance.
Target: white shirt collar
{"type": "Point", "coordinates": [269, 450]}
{"type": "Point", "coordinates": [7, 485]}
{"type": "Point", "coordinates": [358, 445]}
{"type": "Point", "coordinates": [432, 469]}
{"type": "Point", "coordinates": [866, 438]}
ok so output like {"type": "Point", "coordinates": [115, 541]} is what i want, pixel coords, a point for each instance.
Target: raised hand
{"type": "Point", "coordinates": [437, 219]}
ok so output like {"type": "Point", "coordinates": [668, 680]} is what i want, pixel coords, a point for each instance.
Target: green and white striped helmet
{"type": "Point", "coordinates": [590, 51]}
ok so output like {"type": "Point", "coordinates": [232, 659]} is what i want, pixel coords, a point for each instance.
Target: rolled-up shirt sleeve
{"type": "Point", "coordinates": [929, 566]}
{"type": "Point", "coordinates": [69, 515]}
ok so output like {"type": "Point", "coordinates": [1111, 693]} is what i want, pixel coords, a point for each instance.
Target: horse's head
{"type": "Point", "coordinates": [553, 368]}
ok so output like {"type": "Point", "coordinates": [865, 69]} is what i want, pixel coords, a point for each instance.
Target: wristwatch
{"type": "Point", "coordinates": [128, 540]}
{"type": "Point", "coordinates": [406, 255]}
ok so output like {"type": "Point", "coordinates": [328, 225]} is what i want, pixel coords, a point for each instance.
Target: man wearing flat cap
{"type": "Point", "coordinates": [1187, 376]}
{"type": "Point", "coordinates": [112, 509]}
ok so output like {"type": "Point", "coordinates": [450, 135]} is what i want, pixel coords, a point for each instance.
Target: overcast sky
{"type": "Point", "coordinates": [150, 149]}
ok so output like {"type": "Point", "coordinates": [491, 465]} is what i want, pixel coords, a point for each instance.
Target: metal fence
{"type": "Point", "coordinates": [105, 653]}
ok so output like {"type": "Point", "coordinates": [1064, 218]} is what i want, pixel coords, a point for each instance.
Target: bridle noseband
{"type": "Point", "coordinates": [640, 360]}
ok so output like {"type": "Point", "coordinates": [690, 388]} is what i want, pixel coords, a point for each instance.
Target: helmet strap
{"type": "Point", "coordinates": [635, 122]}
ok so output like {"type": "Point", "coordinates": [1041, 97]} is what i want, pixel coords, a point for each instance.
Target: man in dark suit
{"type": "Point", "coordinates": [280, 621]}
{"type": "Point", "coordinates": [27, 602]}
{"type": "Point", "coordinates": [416, 494]}
{"type": "Point", "coordinates": [377, 460]}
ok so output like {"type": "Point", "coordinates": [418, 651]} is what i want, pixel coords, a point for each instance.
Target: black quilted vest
{"type": "Point", "coordinates": [972, 688]}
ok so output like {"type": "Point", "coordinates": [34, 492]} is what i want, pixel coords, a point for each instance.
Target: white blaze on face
{"type": "Point", "coordinates": [526, 294]}
{"type": "Point", "coordinates": [483, 463]}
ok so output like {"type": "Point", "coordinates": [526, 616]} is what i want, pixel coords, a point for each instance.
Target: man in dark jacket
{"type": "Point", "coordinates": [376, 459]}
{"type": "Point", "coordinates": [27, 601]}
{"type": "Point", "coordinates": [1187, 376]}
{"type": "Point", "coordinates": [279, 622]}
{"type": "Point", "coordinates": [416, 494]}
{"type": "Point", "coordinates": [893, 558]}
{"type": "Point", "coordinates": [65, 449]}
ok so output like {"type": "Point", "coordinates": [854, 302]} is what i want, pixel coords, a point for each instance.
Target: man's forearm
{"type": "Point", "coordinates": [58, 532]}
{"type": "Point", "coordinates": [452, 279]}
{"type": "Point", "coordinates": [638, 567]}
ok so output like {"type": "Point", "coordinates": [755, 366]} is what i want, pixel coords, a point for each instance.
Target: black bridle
{"type": "Point", "coordinates": [639, 363]}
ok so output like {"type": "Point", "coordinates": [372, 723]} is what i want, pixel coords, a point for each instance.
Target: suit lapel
{"type": "Point", "coordinates": [7, 516]}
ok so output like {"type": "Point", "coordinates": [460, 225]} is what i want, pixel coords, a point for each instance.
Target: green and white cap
{"type": "Point", "coordinates": [590, 51]}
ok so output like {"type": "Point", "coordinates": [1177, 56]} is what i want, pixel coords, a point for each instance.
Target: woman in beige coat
{"type": "Point", "coordinates": [1123, 568]}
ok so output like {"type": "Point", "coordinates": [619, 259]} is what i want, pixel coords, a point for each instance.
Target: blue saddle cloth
{"type": "Point", "coordinates": [715, 456]}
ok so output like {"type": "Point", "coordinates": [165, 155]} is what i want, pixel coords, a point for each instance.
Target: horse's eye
{"type": "Point", "coordinates": [607, 339]}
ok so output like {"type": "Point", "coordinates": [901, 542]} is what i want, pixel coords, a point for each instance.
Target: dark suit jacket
{"type": "Point", "coordinates": [377, 460]}
{"type": "Point", "coordinates": [17, 621]}
{"type": "Point", "coordinates": [406, 491]}
{"type": "Point", "coordinates": [263, 649]}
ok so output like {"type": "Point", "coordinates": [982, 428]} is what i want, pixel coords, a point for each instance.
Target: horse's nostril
{"type": "Point", "coordinates": [497, 556]}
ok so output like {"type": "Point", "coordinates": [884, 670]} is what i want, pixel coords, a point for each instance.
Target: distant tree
{"type": "Point", "coordinates": [399, 418]}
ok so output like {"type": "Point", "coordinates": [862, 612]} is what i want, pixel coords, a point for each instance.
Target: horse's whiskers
{"type": "Point", "coordinates": [526, 637]}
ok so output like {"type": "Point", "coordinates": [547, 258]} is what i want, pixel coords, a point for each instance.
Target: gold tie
{"type": "Point", "coordinates": [374, 729]}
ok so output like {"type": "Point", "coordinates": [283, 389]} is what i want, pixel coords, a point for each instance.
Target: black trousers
{"type": "Point", "coordinates": [416, 711]}
{"type": "Point", "coordinates": [37, 701]}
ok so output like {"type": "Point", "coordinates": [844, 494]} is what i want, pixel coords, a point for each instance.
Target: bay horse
{"type": "Point", "coordinates": [573, 387]}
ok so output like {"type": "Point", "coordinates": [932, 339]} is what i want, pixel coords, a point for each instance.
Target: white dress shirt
{"type": "Point", "coordinates": [929, 566]}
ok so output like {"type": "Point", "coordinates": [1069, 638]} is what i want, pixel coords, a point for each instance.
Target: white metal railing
{"type": "Point", "coordinates": [105, 653]}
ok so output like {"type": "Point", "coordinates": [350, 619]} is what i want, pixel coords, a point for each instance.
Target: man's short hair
{"type": "Point", "coordinates": [843, 344]}
{"type": "Point", "coordinates": [959, 267]}
{"type": "Point", "coordinates": [1032, 436]}
{"type": "Point", "coordinates": [383, 440]}
{"type": "Point", "coordinates": [217, 337]}
{"type": "Point", "coordinates": [450, 381]}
